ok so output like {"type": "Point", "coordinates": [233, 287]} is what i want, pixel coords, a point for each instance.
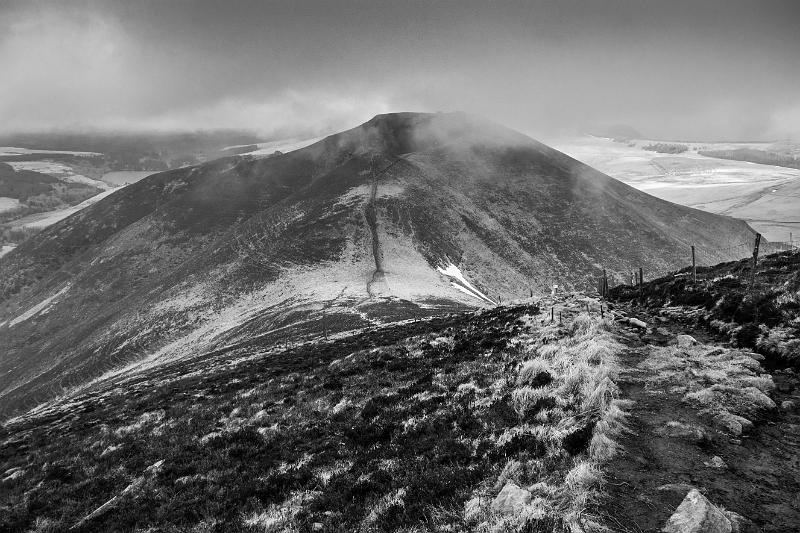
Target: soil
{"type": "Point", "coordinates": [761, 479]}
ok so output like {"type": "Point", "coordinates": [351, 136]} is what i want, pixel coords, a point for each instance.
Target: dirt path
{"type": "Point", "coordinates": [371, 216]}
{"type": "Point", "coordinates": [761, 479]}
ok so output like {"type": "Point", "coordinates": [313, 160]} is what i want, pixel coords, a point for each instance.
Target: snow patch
{"type": "Point", "coordinates": [458, 281]}
{"type": "Point", "coordinates": [43, 307]}
{"type": "Point", "coordinates": [8, 204]}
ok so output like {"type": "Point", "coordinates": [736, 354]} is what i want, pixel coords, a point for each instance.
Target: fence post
{"type": "Point", "coordinates": [694, 268]}
{"type": "Point", "coordinates": [641, 280]}
{"type": "Point", "coordinates": [755, 262]}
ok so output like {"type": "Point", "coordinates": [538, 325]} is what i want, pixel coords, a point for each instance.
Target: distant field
{"type": "Point", "coordinates": [766, 196]}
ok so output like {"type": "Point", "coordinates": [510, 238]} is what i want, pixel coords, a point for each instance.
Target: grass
{"type": "Point", "coordinates": [726, 385]}
{"type": "Point", "coordinates": [410, 428]}
{"type": "Point", "coordinates": [569, 410]}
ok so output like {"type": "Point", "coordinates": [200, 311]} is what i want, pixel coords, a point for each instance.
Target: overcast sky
{"type": "Point", "coordinates": [719, 69]}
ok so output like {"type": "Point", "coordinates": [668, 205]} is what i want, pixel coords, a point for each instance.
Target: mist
{"type": "Point", "coordinates": [717, 70]}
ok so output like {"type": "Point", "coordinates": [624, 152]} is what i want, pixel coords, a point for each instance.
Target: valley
{"type": "Point", "coordinates": [764, 195]}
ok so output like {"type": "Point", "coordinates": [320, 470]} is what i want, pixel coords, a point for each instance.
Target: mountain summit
{"type": "Point", "coordinates": [406, 215]}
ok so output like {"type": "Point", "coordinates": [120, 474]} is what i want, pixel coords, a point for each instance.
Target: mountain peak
{"type": "Point", "coordinates": [405, 132]}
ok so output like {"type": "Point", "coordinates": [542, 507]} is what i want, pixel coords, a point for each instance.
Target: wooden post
{"type": "Point", "coordinates": [694, 268]}
{"type": "Point", "coordinates": [531, 290]}
{"type": "Point", "coordinates": [552, 314]}
{"type": "Point", "coordinates": [559, 318]}
{"type": "Point", "coordinates": [755, 261]}
{"type": "Point", "coordinates": [605, 284]}
{"type": "Point", "coordinates": [602, 314]}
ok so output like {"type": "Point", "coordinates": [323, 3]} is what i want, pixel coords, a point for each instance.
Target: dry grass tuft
{"type": "Point", "coordinates": [573, 415]}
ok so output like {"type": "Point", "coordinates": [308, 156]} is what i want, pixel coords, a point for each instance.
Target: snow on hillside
{"type": "Point", "coordinates": [459, 282]}
{"type": "Point", "coordinates": [40, 308]}
{"type": "Point", "coordinates": [58, 170]}
{"type": "Point", "coordinates": [8, 204]}
{"type": "Point", "coordinates": [284, 145]}
{"type": "Point", "coordinates": [42, 220]}
{"type": "Point", "coordinates": [13, 150]}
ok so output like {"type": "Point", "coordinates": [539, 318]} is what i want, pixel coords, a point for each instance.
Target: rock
{"type": "Point", "coordinates": [680, 430]}
{"type": "Point", "coordinates": [715, 462]}
{"type": "Point", "coordinates": [696, 514]}
{"type": "Point", "coordinates": [740, 524]}
{"type": "Point", "coordinates": [753, 355]}
{"type": "Point", "coordinates": [511, 500]}
{"type": "Point", "coordinates": [733, 424]}
{"type": "Point", "coordinates": [635, 322]}
{"type": "Point", "coordinates": [788, 405]}
{"type": "Point", "coordinates": [316, 526]}
{"type": "Point", "coordinates": [685, 341]}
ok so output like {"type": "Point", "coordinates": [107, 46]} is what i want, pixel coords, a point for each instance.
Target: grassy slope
{"type": "Point", "coordinates": [395, 429]}
{"type": "Point", "coordinates": [168, 259]}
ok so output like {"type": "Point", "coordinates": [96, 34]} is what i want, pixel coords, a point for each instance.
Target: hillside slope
{"type": "Point", "coordinates": [406, 215]}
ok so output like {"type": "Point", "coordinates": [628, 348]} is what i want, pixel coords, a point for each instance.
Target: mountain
{"type": "Point", "coordinates": [407, 215]}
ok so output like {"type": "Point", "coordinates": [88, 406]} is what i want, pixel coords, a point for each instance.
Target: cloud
{"type": "Point", "coordinates": [678, 69]}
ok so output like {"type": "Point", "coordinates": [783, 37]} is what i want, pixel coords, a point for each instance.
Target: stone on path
{"type": "Point", "coordinates": [696, 514]}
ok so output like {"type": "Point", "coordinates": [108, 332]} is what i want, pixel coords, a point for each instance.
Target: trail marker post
{"type": "Point", "coordinates": [694, 268]}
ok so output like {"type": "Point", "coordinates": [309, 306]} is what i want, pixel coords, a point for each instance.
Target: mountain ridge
{"type": "Point", "coordinates": [406, 215]}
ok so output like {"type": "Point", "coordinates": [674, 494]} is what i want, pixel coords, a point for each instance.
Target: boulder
{"type": "Point", "coordinates": [733, 424]}
{"type": "Point", "coordinates": [740, 524]}
{"type": "Point", "coordinates": [511, 500]}
{"type": "Point", "coordinates": [686, 341]}
{"type": "Point", "coordinates": [788, 405]}
{"type": "Point", "coordinates": [696, 514]}
{"type": "Point", "coordinates": [715, 462]}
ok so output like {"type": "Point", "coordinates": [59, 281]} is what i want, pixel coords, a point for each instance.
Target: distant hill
{"type": "Point", "coordinates": [404, 216]}
{"type": "Point", "coordinates": [755, 156]}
